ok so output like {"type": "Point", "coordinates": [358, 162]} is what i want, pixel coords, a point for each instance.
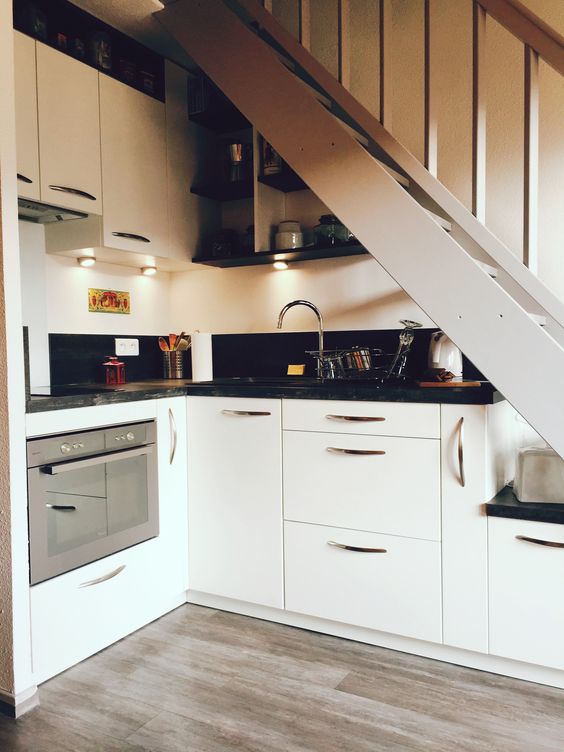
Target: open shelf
{"type": "Point", "coordinates": [286, 181]}
{"type": "Point", "coordinates": [224, 191]}
{"type": "Point", "coordinates": [296, 254]}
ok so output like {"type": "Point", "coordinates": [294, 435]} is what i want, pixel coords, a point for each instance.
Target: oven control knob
{"type": "Point", "coordinates": [130, 436]}
{"type": "Point", "coordinates": [66, 448]}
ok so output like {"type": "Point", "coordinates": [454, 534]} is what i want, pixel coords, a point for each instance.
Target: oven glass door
{"type": "Point", "coordinates": [82, 510]}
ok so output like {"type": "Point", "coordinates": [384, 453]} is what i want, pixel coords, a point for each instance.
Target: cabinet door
{"type": "Point", "coordinates": [527, 591]}
{"type": "Point", "coordinates": [235, 498]}
{"type": "Point", "coordinates": [133, 131]}
{"type": "Point", "coordinates": [380, 582]}
{"type": "Point", "coordinates": [173, 491]}
{"type": "Point", "coordinates": [69, 132]}
{"type": "Point", "coordinates": [26, 117]}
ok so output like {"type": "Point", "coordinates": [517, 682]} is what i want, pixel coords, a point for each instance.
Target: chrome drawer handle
{"type": "Point", "coordinates": [103, 578]}
{"type": "Point", "coordinates": [61, 507]}
{"type": "Point", "coordinates": [366, 452]}
{"type": "Point", "coordinates": [357, 549]}
{"type": "Point", "coordinates": [539, 541]}
{"type": "Point", "coordinates": [173, 436]}
{"type": "Point", "coordinates": [74, 191]}
{"type": "Point", "coordinates": [462, 475]}
{"type": "Point", "coordinates": [131, 236]}
{"type": "Point", "coordinates": [356, 418]}
{"type": "Point", "coordinates": [24, 178]}
{"type": "Point", "coordinates": [245, 413]}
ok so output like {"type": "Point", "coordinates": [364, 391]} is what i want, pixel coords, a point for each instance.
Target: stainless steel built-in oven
{"type": "Point", "coordinates": [90, 494]}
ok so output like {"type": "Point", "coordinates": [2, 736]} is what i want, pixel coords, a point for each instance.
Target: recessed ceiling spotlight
{"type": "Point", "coordinates": [280, 265]}
{"type": "Point", "coordinates": [148, 271]}
{"type": "Point", "coordinates": [86, 261]}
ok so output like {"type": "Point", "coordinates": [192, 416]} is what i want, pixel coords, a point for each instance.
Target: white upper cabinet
{"type": "Point", "coordinates": [133, 127]}
{"type": "Point", "coordinates": [69, 132]}
{"type": "Point", "coordinates": [26, 117]}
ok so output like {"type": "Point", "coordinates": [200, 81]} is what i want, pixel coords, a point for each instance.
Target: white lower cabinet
{"type": "Point", "coordinates": [235, 498]}
{"type": "Point", "coordinates": [526, 570]}
{"type": "Point", "coordinates": [81, 612]}
{"type": "Point", "coordinates": [381, 582]}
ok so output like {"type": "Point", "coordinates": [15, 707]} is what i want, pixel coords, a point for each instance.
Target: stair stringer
{"type": "Point", "coordinates": [494, 331]}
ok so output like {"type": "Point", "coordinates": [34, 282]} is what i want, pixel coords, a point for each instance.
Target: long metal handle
{"type": "Point", "coordinates": [357, 549]}
{"type": "Point", "coordinates": [357, 418]}
{"type": "Point", "coordinates": [24, 178]}
{"type": "Point", "coordinates": [539, 541]}
{"type": "Point", "coordinates": [101, 459]}
{"type": "Point", "coordinates": [461, 472]}
{"type": "Point", "coordinates": [61, 507]}
{"type": "Point", "coordinates": [173, 436]}
{"type": "Point", "coordinates": [74, 191]}
{"type": "Point", "coordinates": [245, 413]}
{"type": "Point", "coordinates": [131, 236]}
{"type": "Point", "coordinates": [367, 452]}
{"type": "Point", "coordinates": [103, 578]}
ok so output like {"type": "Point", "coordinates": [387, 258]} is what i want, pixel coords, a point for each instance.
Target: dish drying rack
{"type": "Point", "coordinates": [366, 363]}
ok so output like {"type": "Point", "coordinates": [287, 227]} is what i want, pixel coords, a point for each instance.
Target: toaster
{"type": "Point", "coordinates": [539, 476]}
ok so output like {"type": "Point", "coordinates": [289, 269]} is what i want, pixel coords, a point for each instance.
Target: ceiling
{"type": "Point", "coordinates": [135, 18]}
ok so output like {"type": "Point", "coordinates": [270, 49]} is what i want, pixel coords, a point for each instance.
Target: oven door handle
{"type": "Point", "coordinates": [101, 459]}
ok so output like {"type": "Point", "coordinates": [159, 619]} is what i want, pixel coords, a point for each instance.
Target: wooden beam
{"type": "Point", "coordinates": [431, 118]}
{"type": "Point", "coordinates": [386, 64]}
{"type": "Point", "coordinates": [529, 28]}
{"type": "Point", "coordinates": [531, 161]}
{"type": "Point", "coordinates": [305, 23]}
{"type": "Point", "coordinates": [344, 43]}
{"type": "Point", "coordinates": [479, 114]}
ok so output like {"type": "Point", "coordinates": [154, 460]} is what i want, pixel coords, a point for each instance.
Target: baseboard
{"type": "Point", "coordinates": [14, 706]}
{"type": "Point", "coordinates": [481, 661]}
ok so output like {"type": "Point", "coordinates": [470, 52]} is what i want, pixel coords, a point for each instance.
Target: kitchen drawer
{"type": "Point", "coordinates": [398, 591]}
{"type": "Point", "coordinates": [379, 483]}
{"type": "Point", "coordinates": [370, 418]}
{"type": "Point", "coordinates": [70, 622]}
{"type": "Point", "coordinates": [526, 591]}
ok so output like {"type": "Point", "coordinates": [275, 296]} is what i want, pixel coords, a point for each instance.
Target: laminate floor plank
{"type": "Point", "coordinates": [200, 680]}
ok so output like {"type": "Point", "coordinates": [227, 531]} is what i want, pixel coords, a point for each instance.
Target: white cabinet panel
{"type": "Point", "coordinates": [395, 591]}
{"type": "Point", "coordinates": [378, 483]}
{"type": "Point", "coordinates": [371, 418]}
{"type": "Point", "coordinates": [69, 131]}
{"type": "Point", "coordinates": [235, 498]}
{"type": "Point", "coordinates": [464, 526]}
{"type": "Point", "coordinates": [27, 136]}
{"type": "Point", "coordinates": [133, 129]}
{"type": "Point", "coordinates": [527, 591]}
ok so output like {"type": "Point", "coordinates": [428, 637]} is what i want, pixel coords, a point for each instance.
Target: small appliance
{"type": "Point", "coordinates": [443, 353]}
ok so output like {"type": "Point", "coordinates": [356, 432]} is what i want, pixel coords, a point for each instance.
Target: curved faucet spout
{"type": "Point", "coordinates": [317, 312]}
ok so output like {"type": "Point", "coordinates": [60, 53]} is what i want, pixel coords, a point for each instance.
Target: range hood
{"type": "Point", "coordinates": [34, 211]}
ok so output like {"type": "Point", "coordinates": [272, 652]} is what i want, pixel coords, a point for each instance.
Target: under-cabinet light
{"type": "Point", "coordinates": [280, 265]}
{"type": "Point", "coordinates": [148, 271]}
{"type": "Point", "coordinates": [86, 261]}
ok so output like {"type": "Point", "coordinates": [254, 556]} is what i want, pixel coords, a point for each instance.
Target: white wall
{"type": "Point", "coordinates": [352, 293]}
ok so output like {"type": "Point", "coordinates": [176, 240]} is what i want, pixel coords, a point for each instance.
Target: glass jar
{"type": "Point", "coordinates": [330, 231]}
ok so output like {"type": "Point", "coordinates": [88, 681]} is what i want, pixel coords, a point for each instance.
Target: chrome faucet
{"type": "Point", "coordinates": [317, 312]}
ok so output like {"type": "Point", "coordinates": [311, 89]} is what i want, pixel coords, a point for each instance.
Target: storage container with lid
{"type": "Point", "coordinates": [539, 476]}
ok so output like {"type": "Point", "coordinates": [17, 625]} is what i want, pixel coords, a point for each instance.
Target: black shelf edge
{"type": "Point", "coordinates": [287, 181]}
{"type": "Point", "coordinates": [221, 120]}
{"type": "Point", "coordinates": [296, 254]}
{"type": "Point", "coordinates": [225, 191]}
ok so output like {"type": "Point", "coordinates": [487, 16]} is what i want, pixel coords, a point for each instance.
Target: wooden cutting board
{"type": "Point", "coordinates": [451, 384]}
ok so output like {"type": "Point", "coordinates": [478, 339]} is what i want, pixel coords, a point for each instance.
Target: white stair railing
{"type": "Point", "coordinates": [239, 45]}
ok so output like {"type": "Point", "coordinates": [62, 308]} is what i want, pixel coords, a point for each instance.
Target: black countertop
{"type": "Point", "coordinates": [286, 387]}
{"type": "Point", "coordinates": [505, 504]}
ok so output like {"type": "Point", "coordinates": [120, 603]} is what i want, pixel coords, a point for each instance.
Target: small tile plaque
{"type": "Point", "coordinates": [108, 301]}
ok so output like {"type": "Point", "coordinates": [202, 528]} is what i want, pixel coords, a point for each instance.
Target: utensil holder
{"type": "Point", "coordinates": [173, 364]}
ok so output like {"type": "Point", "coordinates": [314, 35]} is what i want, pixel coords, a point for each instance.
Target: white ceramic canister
{"type": "Point", "coordinates": [289, 235]}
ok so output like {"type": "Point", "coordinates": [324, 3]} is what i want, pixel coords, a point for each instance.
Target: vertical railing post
{"type": "Point", "coordinates": [386, 64]}
{"type": "Point", "coordinates": [344, 44]}
{"type": "Point", "coordinates": [531, 163]}
{"type": "Point", "coordinates": [305, 23]}
{"type": "Point", "coordinates": [479, 113]}
{"type": "Point", "coordinates": [431, 120]}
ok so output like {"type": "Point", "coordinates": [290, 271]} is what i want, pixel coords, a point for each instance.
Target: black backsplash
{"type": "Point", "coordinates": [78, 358]}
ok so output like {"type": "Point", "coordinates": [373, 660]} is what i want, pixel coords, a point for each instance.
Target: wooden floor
{"type": "Point", "coordinates": [199, 680]}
